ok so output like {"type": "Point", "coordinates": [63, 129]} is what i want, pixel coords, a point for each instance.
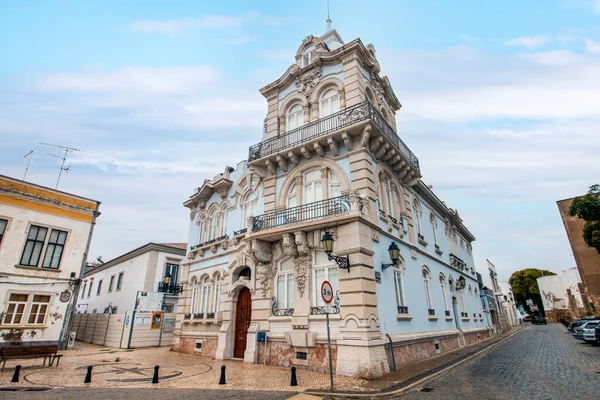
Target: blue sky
{"type": "Point", "coordinates": [501, 103]}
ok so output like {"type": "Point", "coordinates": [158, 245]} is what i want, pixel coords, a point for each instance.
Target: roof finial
{"type": "Point", "coordinates": [328, 19]}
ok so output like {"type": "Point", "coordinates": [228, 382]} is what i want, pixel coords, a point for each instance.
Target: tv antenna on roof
{"type": "Point", "coordinates": [64, 158]}
{"type": "Point", "coordinates": [30, 155]}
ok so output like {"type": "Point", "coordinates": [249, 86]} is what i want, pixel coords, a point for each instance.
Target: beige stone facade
{"type": "Point", "coordinates": [330, 161]}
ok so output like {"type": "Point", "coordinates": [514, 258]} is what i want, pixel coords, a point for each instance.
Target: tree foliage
{"type": "Point", "coordinates": [588, 209]}
{"type": "Point", "coordinates": [524, 285]}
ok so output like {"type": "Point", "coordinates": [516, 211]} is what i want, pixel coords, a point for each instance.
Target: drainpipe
{"type": "Point", "coordinates": [392, 351]}
{"type": "Point", "coordinates": [64, 340]}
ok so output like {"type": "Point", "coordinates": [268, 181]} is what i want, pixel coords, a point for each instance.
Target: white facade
{"type": "Point", "coordinates": [558, 291]}
{"type": "Point", "coordinates": [112, 287]}
{"type": "Point", "coordinates": [510, 306]}
{"type": "Point", "coordinates": [44, 237]}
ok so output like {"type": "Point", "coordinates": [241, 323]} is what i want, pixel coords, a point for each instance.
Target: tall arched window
{"type": "Point", "coordinates": [285, 284]}
{"type": "Point", "coordinates": [213, 223]}
{"type": "Point", "coordinates": [315, 185]}
{"type": "Point", "coordinates": [434, 225]}
{"type": "Point", "coordinates": [418, 215]}
{"type": "Point", "coordinates": [205, 295]}
{"type": "Point", "coordinates": [292, 198]}
{"type": "Point", "coordinates": [202, 229]}
{"type": "Point", "coordinates": [476, 302]}
{"type": "Point", "coordinates": [222, 229]}
{"type": "Point", "coordinates": [443, 286]}
{"type": "Point", "coordinates": [463, 307]}
{"type": "Point", "coordinates": [295, 117]}
{"type": "Point", "coordinates": [312, 187]}
{"type": "Point", "coordinates": [194, 301]}
{"type": "Point", "coordinates": [217, 299]}
{"type": "Point", "coordinates": [335, 186]}
{"type": "Point", "coordinates": [426, 281]}
{"type": "Point", "coordinates": [330, 102]}
{"type": "Point", "coordinates": [399, 287]}
{"type": "Point", "coordinates": [249, 206]}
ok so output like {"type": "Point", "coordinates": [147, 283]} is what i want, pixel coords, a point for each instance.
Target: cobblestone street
{"type": "Point", "coordinates": [541, 362]}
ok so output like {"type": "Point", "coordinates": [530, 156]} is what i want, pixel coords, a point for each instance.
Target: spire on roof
{"type": "Point", "coordinates": [328, 19]}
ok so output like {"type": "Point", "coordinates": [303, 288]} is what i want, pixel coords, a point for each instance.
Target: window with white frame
{"type": "Point", "coordinates": [194, 304]}
{"type": "Point", "coordinates": [90, 288]}
{"type": "Point", "coordinates": [120, 281]}
{"type": "Point", "coordinates": [217, 299]}
{"type": "Point", "coordinates": [335, 186]}
{"type": "Point", "coordinates": [99, 290]}
{"type": "Point", "coordinates": [443, 286]}
{"type": "Point", "coordinates": [37, 238]}
{"type": "Point", "coordinates": [323, 270]}
{"type": "Point", "coordinates": [475, 301]}
{"type": "Point", "coordinates": [249, 206]}
{"type": "Point", "coordinates": [463, 307]}
{"type": "Point", "coordinates": [173, 271]}
{"type": "Point", "coordinates": [204, 307]}
{"type": "Point", "coordinates": [26, 309]}
{"type": "Point", "coordinates": [307, 55]}
{"type": "Point", "coordinates": [111, 284]}
{"type": "Point", "coordinates": [434, 226]}
{"type": "Point", "coordinates": [316, 186]}
{"type": "Point", "coordinates": [286, 284]}
{"type": "Point", "coordinates": [292, 198]}
{"type": "Point", "coordinates": [399, 288]}
{"type": "Point", "coordinates": [83, 291]}
{"type": "Point", "coordinates": [213, 223]}
{"type": "Point", "coordinates": [3, 223]}
{"type": "Point", "coordinates": [418, 214]}
{"type": "Point", "coordinates": [295, 117]}
{"type": "Point", "coordinates": [426, 280]}
{"type": "Point", "coordinates": [223, 222]}
{"type": "Point", "coordinates": [330, 102]}
{"type": "Point", "coordinates": [313, 187]}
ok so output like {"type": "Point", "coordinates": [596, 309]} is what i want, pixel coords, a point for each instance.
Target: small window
{"type": "Point", "coordinates": [120, 281]}
{"type": "Point", "coordinates": [307, 56]}
{"type": "Point", "coordinates": [114, 310]}
{"type": "Point", "coordinates": [90, 288]}
{"type": "Point", "coordinates": [54, 250]}
{"type": "Point", "coordinates": [111, 284]}
{"type": "Point", "coordinates": [330, 102]}
{"type": "Point", "coordinates": [19, 303]}
{"type": "Point", "coordinates": [286, 284]}
{"type": "Point", "coordinates": [83, 291]}
{"type": "Point", "coordinates": [300, 355]}
{"type": "Point", "coordinates": [34, 245]}
{"type": "Point", "coordinates": [39, 308]}
{"type": "Point", "coordinates": [173, 270]}
{"type": "Point", "coordinates": [3, 224]}
{"type": "Point", "coordinates": [99, 288]}
{"type": "Point", "coordinates": [15, 309]}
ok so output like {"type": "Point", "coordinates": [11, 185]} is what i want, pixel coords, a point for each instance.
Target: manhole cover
{"type": "Point", "coordinates": [426, 389]}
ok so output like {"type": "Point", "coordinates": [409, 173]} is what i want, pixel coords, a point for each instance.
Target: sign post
{"type": "Point", "coordinates": [327, 295]}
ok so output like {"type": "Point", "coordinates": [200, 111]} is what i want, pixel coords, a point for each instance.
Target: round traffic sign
{"type": "Point", "coordinates": [326, 292]}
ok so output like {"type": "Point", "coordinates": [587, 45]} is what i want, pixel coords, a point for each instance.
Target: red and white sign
{"type": "Point", "coordinates": [326, 292]}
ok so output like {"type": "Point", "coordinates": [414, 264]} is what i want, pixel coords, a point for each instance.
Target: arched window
{"type": "Point", "coordinates": [434, 225]}
{"type": "Point", "coordinates": [370, 96]}
{"type": "Point", "coordinates": [418, 215]}
{"type": "Point", "coordinates": [213, 223]}
{"type": "Point", "coordinates": [222, 229]}
{"type": "Point", "coordinates": [316, 185]}
{"type": "Point", "coordinates": [330, 102]}
{"type": "Point", "coordinates": [292, 198]}
{"type": "Point", "coordinates": [399, 287]}
{"type": "Point", "coordinates": [312, 187]}
{"type": "Point", "coordinates": [443, 286]}
{"type": "Point", "coordinates": [194, 301]}
{"type": "Point", "coordinates": [249, 206]}
{"type": "Point", "coordinates": [307, 55]}
{"type": "Point", "coordinates": [285, 284]}
{"type": "Point", "coordinates": [463, 307]}
{"type": "Point", "coordinates": [426, 279]}
{"type": "Point", "coordinates": [476, 301]}
{"type": "Point", "coordinates": [245, 273]}
{"type": "Point", "coordinates": [205, 295]}
{"type": "Point", "coordinates": [295, 117]}
{"type": "Point", "coordinates": [217, 299]}
{"type": "Point", "coordinates": [335, 186]}
{"type": "Point", "coordinates": [202, 229]}
{"type": "Point", "coordinates": [323, 270]}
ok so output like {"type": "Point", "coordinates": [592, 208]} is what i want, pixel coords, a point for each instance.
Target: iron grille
{"type": "Point", "coordinates": [306, 212]}
{"type": "Point", "coordinates": [240, 232]}
{"type": "Point", "coordinates": [447, 313]}
{"type": "Point", "coordinates": [209, 242]}
{"type": "Point", "coordinates": [402, 310]}
{"type": "Point", "coordinates": [431, 311]}
{"type": "Point", "coordinates": [170, 288]}
{"type": "Point", "coordinates": [331, 123]}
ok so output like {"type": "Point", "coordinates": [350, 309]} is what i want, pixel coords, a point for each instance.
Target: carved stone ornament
{"type": "Point", "coordinates": [307, 82]}
{"type": "Point", "coordinates": [301, 243]}
{"type": "Point", "coordinates": [289, 245]}
{"type": "Point", "coordinates": [300, 268]}
{"type": "Point", "coordinates": [261, 251]}
{"type": "Point", "coordinates": [193, 211]}
{"type": "Point", "coordinates": [264, 275]}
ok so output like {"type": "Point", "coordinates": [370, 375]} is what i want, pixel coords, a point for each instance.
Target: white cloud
{"type": "Point", "coordinates": [591, 46]}
{"type": "Point", "coordinates": [529, 41]}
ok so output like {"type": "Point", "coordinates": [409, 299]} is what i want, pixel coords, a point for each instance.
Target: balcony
{"type": "Point", "coordinates": [310, 138]}
{"type": "Point", "coordinates": [169, 288]}
{"type": "Point", "coordinates": [318, 210]}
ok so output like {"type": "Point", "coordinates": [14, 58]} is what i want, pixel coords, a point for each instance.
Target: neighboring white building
{"type": "Point", "coordinates": [561, 293]}
{"type": "Point", "coordinates": [509, 304]}
{"type": "Point", "coordinates": [44, 238]}
{"type": "Point", "coordinates": [112, 287]}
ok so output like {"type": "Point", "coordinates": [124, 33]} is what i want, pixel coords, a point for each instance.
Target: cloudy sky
{"type": "Point", "coordinates": [501, 103]}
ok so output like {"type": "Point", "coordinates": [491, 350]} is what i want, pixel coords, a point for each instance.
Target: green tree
{"type": "Point", "coordinates": [588, 209]}
{"type": "Point", "coordinates": [524, 286]}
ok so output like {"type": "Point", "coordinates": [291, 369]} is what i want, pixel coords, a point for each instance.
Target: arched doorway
{"type": "Point", "coordinates": [243, 316]}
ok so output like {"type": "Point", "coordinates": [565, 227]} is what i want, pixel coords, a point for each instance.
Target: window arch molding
{"type": "Point", "coordinates": [325, 85]}
{"type": "Point", "coordinates": [288, 104]}
{"type": "Point", "coordinates": [370, 96]}
{"type": "Point", "coordinates": [396, 187]}
{"type": "Point", "coordinates": [320, 163]}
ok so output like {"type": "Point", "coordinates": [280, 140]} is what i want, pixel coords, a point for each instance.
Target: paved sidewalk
{"type": "Point", "coordinates": [120, 368]}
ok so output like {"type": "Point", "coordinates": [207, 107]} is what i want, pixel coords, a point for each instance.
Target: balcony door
{"type": "Point", "coordinates": [173, 270]}
{"type": "Point", "coordinates": [243, 316]}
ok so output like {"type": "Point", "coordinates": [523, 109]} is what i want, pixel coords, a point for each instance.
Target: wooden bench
{"type": "Point", "coordinates": [48, 351]}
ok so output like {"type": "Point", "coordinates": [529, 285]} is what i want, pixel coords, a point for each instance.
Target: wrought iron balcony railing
{"type": "Point", "coordinates": [170, 288]}
{"type": "Point", "coordinates": [304, 213]}
{"type": "Point", "coordinates": [331, 123]}
{"type": "Point", "coordinates": [209, 242]}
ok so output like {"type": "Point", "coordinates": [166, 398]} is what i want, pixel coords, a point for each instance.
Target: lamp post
{"type": "Point", "coordinates": [394, 252]}
{"type": "Point", "coordinates": [327, 242]}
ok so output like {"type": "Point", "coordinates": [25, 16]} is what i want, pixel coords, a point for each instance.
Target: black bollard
{"type": "Point", "coordinates": [88, 375]}
{"type": "Point", "coordinates": [294, 381]}
{"type": "Point", "coordinates": [222, 378]}
{"type": "Point", "coordinates": [155, 377]}
{"type": "Point", "coordinates": [15, 377]}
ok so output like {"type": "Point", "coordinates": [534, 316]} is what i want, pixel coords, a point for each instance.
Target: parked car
{"type": "Point", "coordinates": [539, 320]}
{"type": "Point", "coordinates": [589, 332]}
{"type": "Point", "coordinates": [527, 318]}
{"type": "Point", "coordinates": [578, 331]}
{"type": "Point", "coordinates": [582, 321]}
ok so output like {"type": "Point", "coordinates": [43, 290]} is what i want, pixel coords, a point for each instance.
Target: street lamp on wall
{"type": "Point", "coordinates": [327, 242]}
{"type": "Point", "coordinates": [394, 252]}
{"type": "Point", "coordinates": [167, 279]}
{"type": "Point", "coordinates": [461, 283]}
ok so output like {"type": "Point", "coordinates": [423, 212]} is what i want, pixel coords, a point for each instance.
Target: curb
{"type": "Point", "coordinates": [399, 392]}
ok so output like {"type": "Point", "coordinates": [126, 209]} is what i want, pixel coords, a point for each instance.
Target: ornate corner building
{"type": "Point", "coordinates": [330, 161]}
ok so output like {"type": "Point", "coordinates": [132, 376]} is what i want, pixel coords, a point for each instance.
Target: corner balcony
{"type": "Point", "coordinates": [352, 126]}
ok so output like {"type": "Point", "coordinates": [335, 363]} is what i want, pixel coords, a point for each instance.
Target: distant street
{"type": "Point", "coordinates": [542, 362]}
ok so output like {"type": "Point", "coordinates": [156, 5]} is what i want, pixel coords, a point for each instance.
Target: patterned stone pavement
{"type": "Point", "coordinates": [542, 362]}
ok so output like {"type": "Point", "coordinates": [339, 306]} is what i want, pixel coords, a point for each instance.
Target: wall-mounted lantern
{"type": "Point", "coordinates": [394, 251]}
{"type": "Point", "coordinates": [461, 283]}
{"type": "Point", "coordinates": [327, 242]}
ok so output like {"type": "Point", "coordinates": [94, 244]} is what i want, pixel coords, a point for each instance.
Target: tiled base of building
{"type": "Point", "coordinates": [283, 355]}
{"type": "Point", "coordinates": [209, 346]}
{"type": "Point", "coordinates": [419, 350]}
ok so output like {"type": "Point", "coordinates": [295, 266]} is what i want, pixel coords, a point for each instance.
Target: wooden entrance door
{"type": "Point", "coordinates": [243, 317]}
